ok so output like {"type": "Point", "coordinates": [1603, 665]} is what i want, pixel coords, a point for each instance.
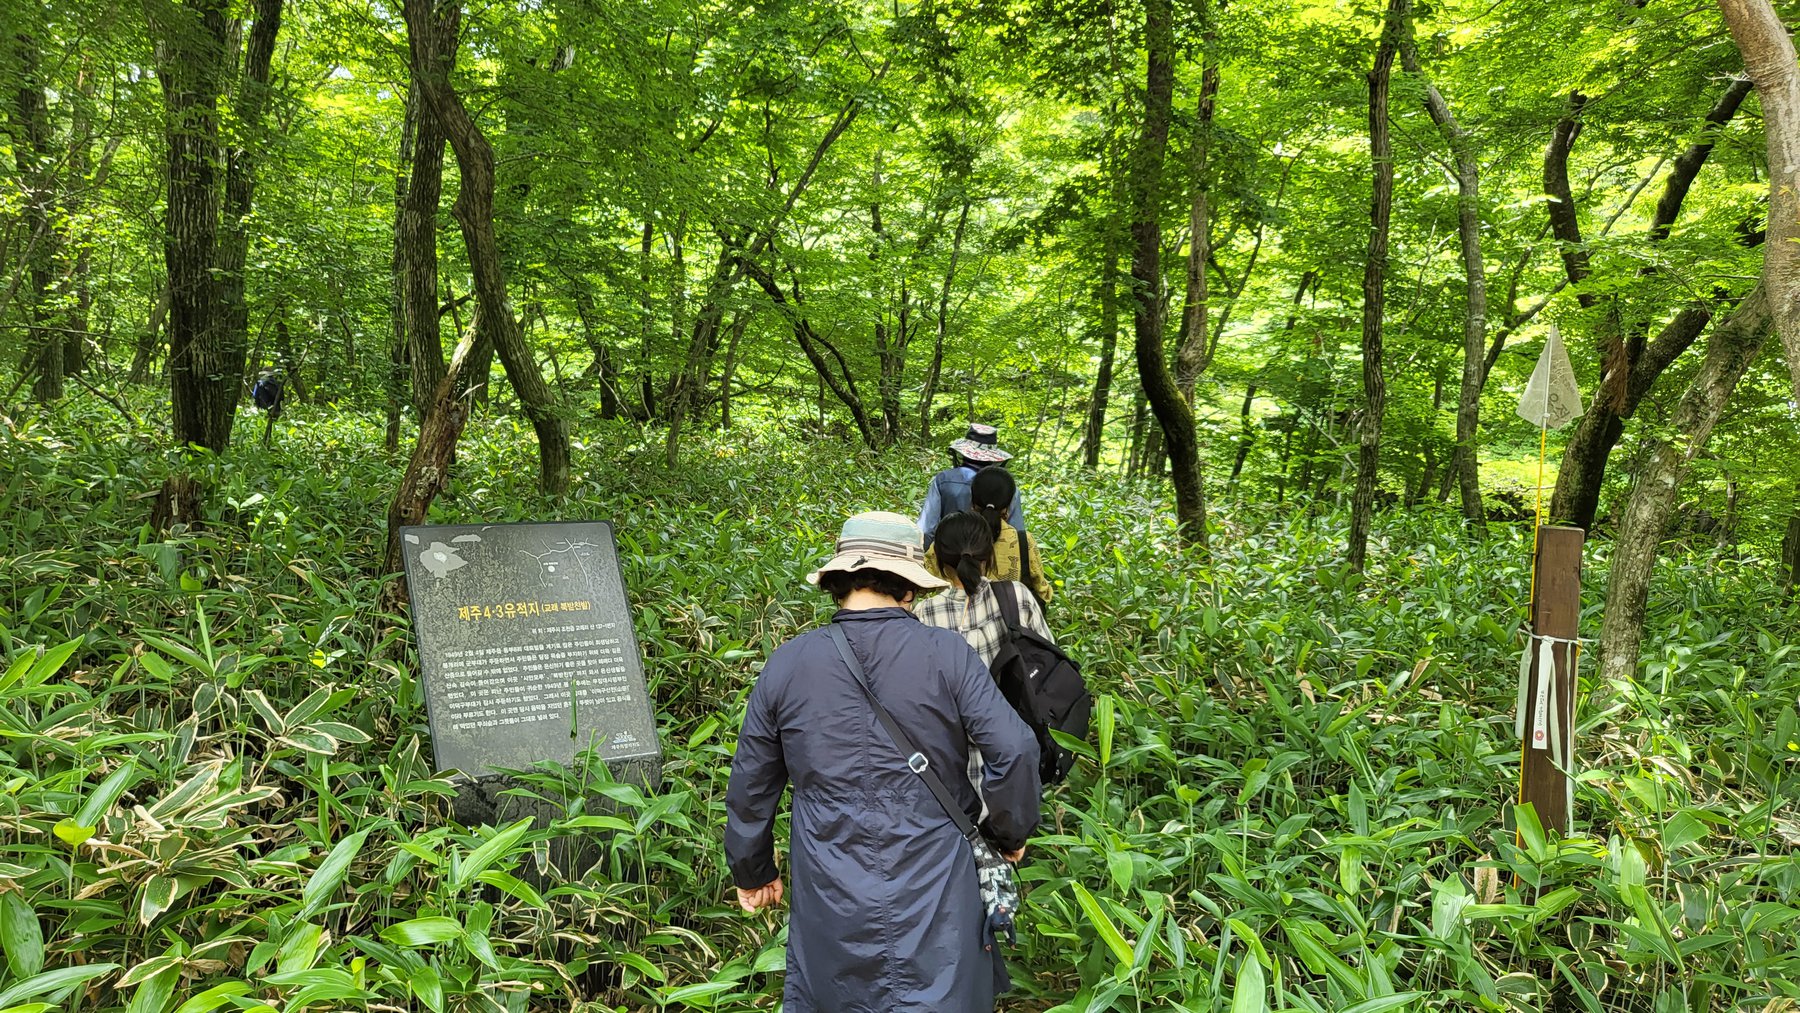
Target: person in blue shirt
{"type": "Point", "coordinates": [948, 492]}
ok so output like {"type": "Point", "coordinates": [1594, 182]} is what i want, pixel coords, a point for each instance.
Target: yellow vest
{"type": "Point", "coordinates": [1006, 562]}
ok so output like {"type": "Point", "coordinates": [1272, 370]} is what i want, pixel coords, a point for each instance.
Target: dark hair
{"type": "Point", "coordinates": [991, 495]}
{"type": "Point", "coordinates": [840, 583]}
{"type": "Point", "coordinates": [964, 544]}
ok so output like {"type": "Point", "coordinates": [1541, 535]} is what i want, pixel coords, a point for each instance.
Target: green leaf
{"type": "Point", "coordinates": [1247, 993]}
{"type": "Point", "coordinates": [1109, 933]}
{"type": "Point", "coordinates": [1384, 1003]}
{"type": "Point", "coordinates": [1104, 720]}
{"type": "Point", "coordinates": [54, 985]}
{"type": "Point", "coordinates": [72, 833]}
{"type": "Point", "coordinates": [492, 851]}
{"type": "Point", "coordinates": [215, 997]}
{"type": "Point", "coordinates": [153, 995]}
{"type": "Point", "coordinates": [427, 931]}
{"type": "Point", "coordinates": [428, 987]}
{"type": "Point", "coordinates": [324, 881]}
{"type": "Point", "coordinates": [21, 934]}
{"type": "Point", "coordinates": [158, 896]}
{"type": "Point", "coordinates": [104, 796]}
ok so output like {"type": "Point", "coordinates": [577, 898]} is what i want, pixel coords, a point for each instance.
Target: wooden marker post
{"type": "Point", "coordinates": [1548, 711]}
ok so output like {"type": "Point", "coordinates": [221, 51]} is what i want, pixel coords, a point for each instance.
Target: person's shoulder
{"type": "Point", "coordinates": [787, 658]}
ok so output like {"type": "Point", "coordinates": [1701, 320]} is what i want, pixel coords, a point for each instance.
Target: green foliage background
{"type": "Point", "coordinates": [218, 794]}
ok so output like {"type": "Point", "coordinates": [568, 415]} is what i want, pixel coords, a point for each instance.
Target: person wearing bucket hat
{"type": "Point", "coordinates": [886, 911]}
{"type": "Point", "coordinates": [948, 492]}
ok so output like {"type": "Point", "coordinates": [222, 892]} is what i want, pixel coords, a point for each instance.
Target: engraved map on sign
{"type": "Point", "coordinates": [526, 645]}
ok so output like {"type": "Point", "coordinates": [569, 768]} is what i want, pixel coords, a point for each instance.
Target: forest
{"type": "Point", "coordinates": [1251, 289]}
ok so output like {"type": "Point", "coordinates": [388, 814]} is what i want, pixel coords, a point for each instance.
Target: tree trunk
{"type": "Point", "coordinates": [474, 212]}
{"type": "Point", "coordinates": [1790, 549]}
{"type": "Point", "coordinates": [240, 189]}
{"type": "Point", "coordinates": [1247, 432]}
{"type": "Point", "coordinates": [729, 372]}
{"type": "Point", "coordinates": [36, 163]}
{"type": "Point", "coordinates": [427, 471]}
{"type": "Point", "coordinates": [1192, 346]}
{"type": "Point", "coordinates": [841, 382]}
{"type": "Point", "coordinates": [1381, 206]}
{"type": "Point", "coordinates": [151, 339]}
{"type": "Point", "coordinates": [1730, 352]}
{"type": "Point", "coordinates": [1465, 460]}
{"type": "Point", "coordinates": [1174, 417]}
{"type": "Point", "coordinates": [415, 228]}
{"type": "Point", "coordinates": [1112, 252]}
{"type": "Point", "coordinates": [1630, 365]}
{"type": "Point", "coordinates": [941, 326]}
{"type": "Point", "coordinates": [204, 376]}
{"type": "Point", "coordinates": [1768, 52]}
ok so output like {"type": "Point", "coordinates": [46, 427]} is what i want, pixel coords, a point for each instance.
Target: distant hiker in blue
{"type": "Point", "coordinates": [949, 490]}
{"type": "Point", "coordinates": [887, 914]}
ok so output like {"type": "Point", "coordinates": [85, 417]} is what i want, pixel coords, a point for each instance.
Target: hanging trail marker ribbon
{"type": "Point", "coordinates": [1538, 719]}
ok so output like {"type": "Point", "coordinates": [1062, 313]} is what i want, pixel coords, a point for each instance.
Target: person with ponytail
{"type": "Point", "coordinates": [1015, 555]}
{"type": "Point", "coordinates": [963, 555]}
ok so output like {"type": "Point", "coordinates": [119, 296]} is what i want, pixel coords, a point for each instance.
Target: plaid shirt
{"type": "Point", "coordinates": [981, 622]}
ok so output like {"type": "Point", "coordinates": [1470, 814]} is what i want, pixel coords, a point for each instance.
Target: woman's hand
{"type": "Point", "coordinates": [767, 895]}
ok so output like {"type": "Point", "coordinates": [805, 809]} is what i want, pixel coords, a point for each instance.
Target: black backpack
{"type": "Point", "coordinates": [1043, 685]}
{"type": "Point", "coordinates": [267, 392]}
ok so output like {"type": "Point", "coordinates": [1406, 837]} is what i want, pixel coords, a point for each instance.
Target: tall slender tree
{"type": "Point", "coordinates": [474, 210]}
{"type": "Point", "coordinates": [1381, 208]}
{"type": "Point", "coordinates": [1173, 414]}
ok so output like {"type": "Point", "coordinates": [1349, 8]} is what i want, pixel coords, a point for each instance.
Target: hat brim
{"type": "Point", "coordinates": [905, 569]}
{"type": "Point", "coordinates": [980, 451]}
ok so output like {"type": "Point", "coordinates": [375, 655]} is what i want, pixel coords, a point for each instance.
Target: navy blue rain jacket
{"type": "Point", "coordinates": [886, 914]}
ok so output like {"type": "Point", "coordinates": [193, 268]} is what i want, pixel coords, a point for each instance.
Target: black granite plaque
{"type": "Point", "coordinates": [527, 651]}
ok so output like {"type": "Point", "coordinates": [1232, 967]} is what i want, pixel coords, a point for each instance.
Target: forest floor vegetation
{"type": "Point", "coordinates": [218, 791]}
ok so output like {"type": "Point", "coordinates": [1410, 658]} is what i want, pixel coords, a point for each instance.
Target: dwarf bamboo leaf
{"type": "Point", "coordinates": [488, 853]}
{"type": "Point", "coordinates": [330, 874]}
{"type": "Point", "coordinates": [21, 935]}
{"type": "Point", "coordinates": [1248, 992]}
{"type": "Point", "coordinates": [54, 985]}
{"type": "Point", "coordinates": [428, 931]}
{"type": "Point", "coordinates": [1109, 933]}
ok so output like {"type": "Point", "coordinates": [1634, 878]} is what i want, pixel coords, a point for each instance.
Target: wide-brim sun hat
{"type": "Point", "coordinates": [981, 444]}
{"type": "Point", "coordinates": [879, 540]}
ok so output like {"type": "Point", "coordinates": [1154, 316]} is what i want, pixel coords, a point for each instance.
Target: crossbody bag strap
{"type": "Point", "coordinates": [1025, 559]}
{"type": "Point", "coordinates": [915, 760]}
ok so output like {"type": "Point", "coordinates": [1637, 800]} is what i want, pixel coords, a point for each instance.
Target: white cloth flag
{"type": "Point", "coordinates": [1551, 398]}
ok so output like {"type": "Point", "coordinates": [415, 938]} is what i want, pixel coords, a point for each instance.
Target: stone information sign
{"type": "Point", "coordinates": [526, 648]}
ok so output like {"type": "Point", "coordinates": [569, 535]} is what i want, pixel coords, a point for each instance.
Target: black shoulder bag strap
{"type": "Point", "coordinates": [1008, 597]}
{"type": "Point", "coordinates": [915, 760]}
{"type": "Point", "coordinates": [1025, 559]}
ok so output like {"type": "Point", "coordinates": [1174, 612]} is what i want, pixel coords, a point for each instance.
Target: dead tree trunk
{"type": "Point", "coordinates": [1381, 206]}
{"type": "Point", "coordinates": [1730, 352]}
{"type": "Point", "coordinates": [474, 211]}
{"type": "Point", "coordinates": [428, 469]}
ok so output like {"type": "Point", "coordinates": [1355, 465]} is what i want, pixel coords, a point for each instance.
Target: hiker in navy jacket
{"type": "Point", "coordinates": [887, 915]}
{"type": "Point", "coordinates": [948, 492]}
